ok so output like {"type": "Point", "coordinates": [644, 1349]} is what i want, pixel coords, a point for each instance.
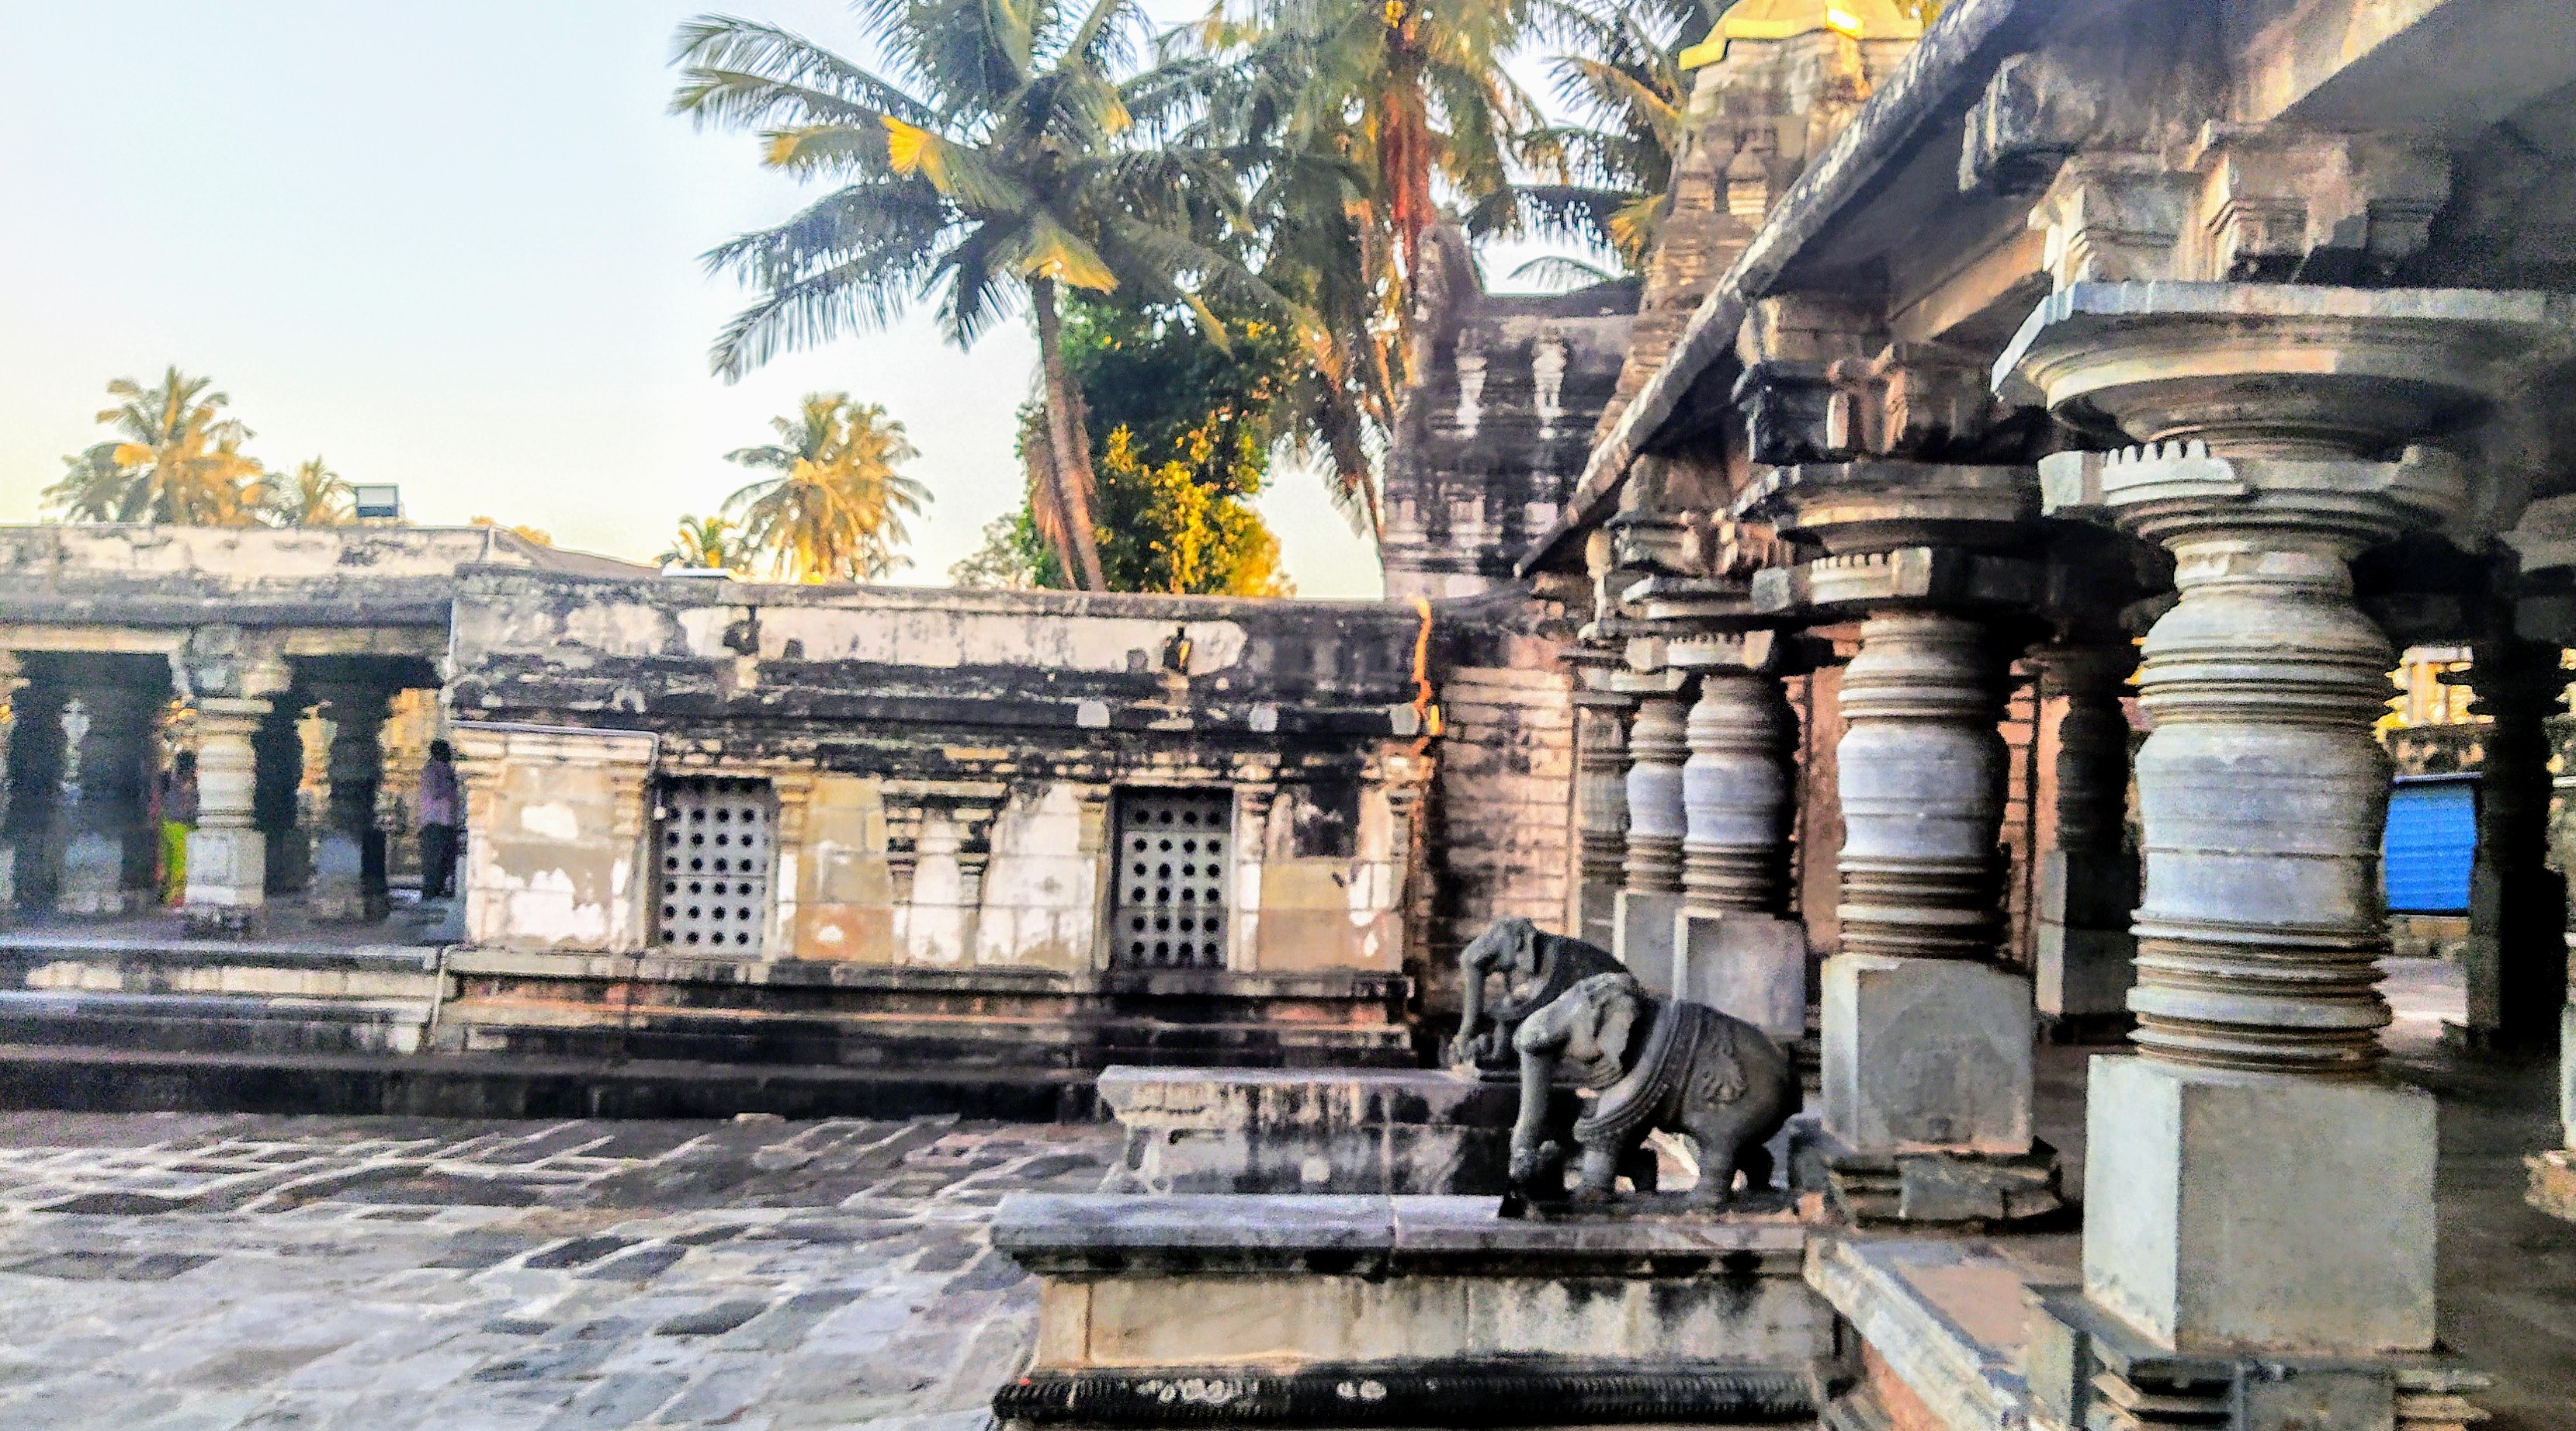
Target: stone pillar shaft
{"type": "Point", "coordinates": [2263, 795]}
{"type": "Point", "coordinates": [99, 835]}
{"type": "Point", "coordinates": [227, 854]}
{"type": "Point", "coordinates": [1736, 794]}
{"type": "Point", "coordinates": [2517, 959]}
{"type": "Point", "coordinates": [1601, 794]}
{"type": "Point", "coordinates": [1658, 744]}
{"type": "Point", "coordinates": [2089, 877]}
{"type": "Point", "coordinates": [348, 858]}
{"type": "Point", "coordinates": [1921, 771]}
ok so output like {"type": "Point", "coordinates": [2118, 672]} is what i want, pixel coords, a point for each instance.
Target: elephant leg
{"type": "Point", "coordinates": [1532, 1147]}
{"type": "Point", "coordinates": [1598, 1175]}
{"type": "Point", "coordinates": [1717, 1163]}
{"type": "Point", "coordinates": [1641, 1168]}
{"type": "Point", "coordinates": [1758, 1167]}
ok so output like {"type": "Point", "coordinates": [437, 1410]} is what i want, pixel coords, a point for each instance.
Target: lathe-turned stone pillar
{"type": "Point", "coordinates": [1651, 891]}
{"type": "Point", "coordinates": [231, 677]}
{"type": "Point", "coordinates": [1734, 948]}
{"type": "Point", "coordinates": [2088, 878]}
{"type": "Point", "coordinates": [1927, 1041]}
{"type": "Point", "coordinates": [348, 881]}
{"type": "Point", "coordinates": [2252, 1182]}
{"type": "Point", "coordinates": [2553, 1172]}
{"type": "Point", "coordinates": [1600, 810]}
{"type": "Point", "coordinates": [99, 836]}
{"type": "Point", "coordinates": [10, 684]}
{"type": "Point", "coordinates": [2516, 959]}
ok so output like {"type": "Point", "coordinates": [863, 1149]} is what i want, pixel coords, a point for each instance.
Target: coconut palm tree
{"type": "Point", "coordinates": [997, 161]}
{"type": "Point", "coordinates": [1609, 174]}
{"type": "Point", "coordinates": [175, 459]}
{"type": "Point", "coordinates": [835, 510]}
{"type": "Point", "coordinates": [710, 543]}
{"type": "Point", "coordinates": [311, 496]}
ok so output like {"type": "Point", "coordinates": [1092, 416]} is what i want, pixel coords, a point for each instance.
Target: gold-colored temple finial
{"type": "Point", "coordinates": [1784, 19]}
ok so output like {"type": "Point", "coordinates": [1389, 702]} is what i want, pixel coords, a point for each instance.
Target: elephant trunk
{"type": "Point", "coordinates": [1538, 1080]}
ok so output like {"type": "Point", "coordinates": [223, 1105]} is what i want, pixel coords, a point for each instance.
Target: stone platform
{"type": "Point", "coordinates": [1349, 1310]}
{"type": "Point", "coordinates": [1393, 1131]}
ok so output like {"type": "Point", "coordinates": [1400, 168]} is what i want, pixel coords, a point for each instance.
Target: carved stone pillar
{"type": "Point", "coordinates": [2251, 1181]}
{"type": "Point", "coordinates": [2088, 878]}
{"type": "Point", "coordinates": [1735, 793]}
{"type": "Point", "coordinates": [1600, 810]}
{"type": "Point", "coordinates": [227, 854]}
{"type": "Point", "coordinates": [100, 838]}
{"type": "Point", "coordinates": [1927, 1042]}
{"type": "Point", "coordinates": [349, 850]}
{"type": "Point", "coordinates": [1658, 745]}
{"type": "Point", "coordinates": [1734, 948]}
{"type": "Point", "coordinates": [10, 684]}
{"type": "Point", "coordinates": [1650, 896]}
{"type": "Point", "coordinates": [2516, 959]}
{"type": "Point", "coordinates": [276, 799]}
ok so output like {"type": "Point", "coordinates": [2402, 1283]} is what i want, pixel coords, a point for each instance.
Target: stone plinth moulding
{"type": "Point", "coordinates": [2227, 1199]}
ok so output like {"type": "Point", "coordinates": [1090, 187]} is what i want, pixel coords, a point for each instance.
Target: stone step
{"type": "Point", "coordinates": [215, 1022]}
{"type": "Point", "coordinates": [101, 1079]}
{"type": "Point", "coordinates": [904, 1038]}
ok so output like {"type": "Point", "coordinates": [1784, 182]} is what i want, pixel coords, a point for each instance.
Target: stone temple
{"type": "Point", "coordinates": [1938, 616]}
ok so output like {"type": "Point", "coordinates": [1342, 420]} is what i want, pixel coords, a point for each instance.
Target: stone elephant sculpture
{"type": "Point", "coordinates": [1657, 1064]}
{"type": "Point", "coordinates": [1535, 967]}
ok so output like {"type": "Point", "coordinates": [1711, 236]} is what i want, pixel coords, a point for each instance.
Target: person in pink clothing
{"type": "Point", "coordinates": [441, 815]}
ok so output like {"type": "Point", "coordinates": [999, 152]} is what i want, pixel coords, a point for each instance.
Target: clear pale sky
{"type": "Point", "coordinates": [453, 246]}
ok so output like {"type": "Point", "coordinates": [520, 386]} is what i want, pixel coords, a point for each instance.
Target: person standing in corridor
{"type": "Point", "coordinates": [441, 813]}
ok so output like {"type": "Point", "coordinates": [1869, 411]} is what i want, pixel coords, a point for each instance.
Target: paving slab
{"type": "Point", "coordinates": [231, 1272]}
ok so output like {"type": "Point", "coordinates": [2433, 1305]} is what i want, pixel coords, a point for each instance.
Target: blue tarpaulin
{"type": "Point", "coordinates": [2432, 840]}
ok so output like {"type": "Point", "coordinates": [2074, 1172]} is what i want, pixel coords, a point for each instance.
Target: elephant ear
{"type": "Point", "coordinates": [1621, 1001]}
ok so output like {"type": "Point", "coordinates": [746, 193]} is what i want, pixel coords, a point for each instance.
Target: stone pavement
{"type": "Point", "coordinates": [188, 1272]}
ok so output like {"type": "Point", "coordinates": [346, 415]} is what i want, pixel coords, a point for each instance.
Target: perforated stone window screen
{"type": "Point", "coordinates": [1174, 848]}
{"type": "Point", "coordinates": [717, 841]}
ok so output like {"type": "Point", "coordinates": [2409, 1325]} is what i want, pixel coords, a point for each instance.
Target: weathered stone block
{"type": "Point", "coordinates": [1643, 936]}
{"type": "Point", "coordinates": [2261, 1210]}
{"type": "Point", "coordinates": [1753, 966]}
{"type": "Point", "coordinates": [1225, 1130]}
{"type": "Point", "coordinates": [1926, 1054]}
{"type": "Point", "coordinates": [2086, 957]}
{"type": "Point", "coordinates": [92, 880]}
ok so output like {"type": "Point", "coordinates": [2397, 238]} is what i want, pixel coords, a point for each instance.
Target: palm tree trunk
{"type": "Point", "coordinates": [1071, 446]}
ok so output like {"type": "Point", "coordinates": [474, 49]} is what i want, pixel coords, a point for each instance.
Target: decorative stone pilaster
{"type": "Point", "coordinates": [2515, 961]}
{"type": "Point", "coordinates": [349, 850]}
{"type": "Point", "coordinates": [794, 790]}
{"type": "Point", "coordinates": [1256, 794]}
{"type": "Point", "coordinates": [2251, 1182]}
{"type": "Point", "coordinates": [2088, 877]}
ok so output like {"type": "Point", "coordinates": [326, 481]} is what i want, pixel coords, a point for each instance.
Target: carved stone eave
{"type": "Point", "coordinates": [1942, 578]}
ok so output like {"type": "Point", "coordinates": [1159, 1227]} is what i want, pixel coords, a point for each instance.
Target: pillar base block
{"type": "Point", "coordinates": [92, 881]}
{"type": "Point", "coordinates": [1969, 1191]}
{"type": "Point", "coordinates": [2245, 1210]}
{"type": "Point", "coordinates": [2083, 973]}
{"type": "Point", "coordinates": [1598, 914]}
{"type": "Point", "coordinates": [8, 881]}
{"type": "Point", "coordinates": [1753, 966]}
{"type": "Point", "coordinates": [339, 892]}
{"type": "Point", "coordinates": [1642, 936]}
{"type": "Point", "coordinates": [1926, 1056]}
{"type": "Point", "coordinates": [227, 880]}
{"type": "Point", "coordinates": [2088, 1367]}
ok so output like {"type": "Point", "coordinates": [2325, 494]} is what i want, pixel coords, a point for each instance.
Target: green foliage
{"type": "Point", "coordinates": [1184, 434]}
{"type": "Point", "coordinates": [175, 458]}
{"type": "Point", "coordinates": [835, 510]}
{"type": "Point", "coordinates": [711, 543]}
{"type": "Point", "coordinates": [311, 496]}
